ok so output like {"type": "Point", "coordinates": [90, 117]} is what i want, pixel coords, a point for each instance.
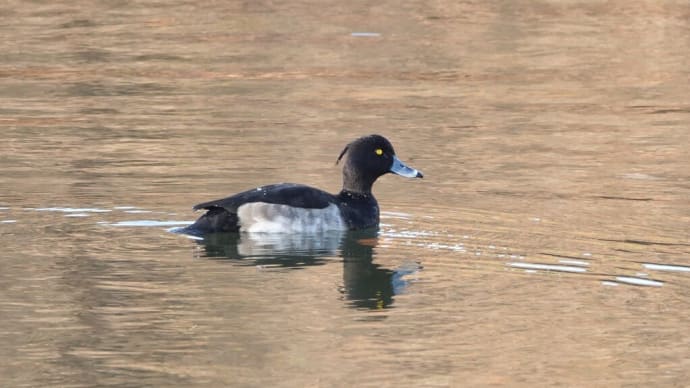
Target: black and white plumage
{"type": "Point", "coordinates": [289, 207]}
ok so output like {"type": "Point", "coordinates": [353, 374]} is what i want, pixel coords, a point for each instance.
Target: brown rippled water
{"type": "Point", "coordinates": [547, 245]}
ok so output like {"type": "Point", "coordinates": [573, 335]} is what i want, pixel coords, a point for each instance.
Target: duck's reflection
{"type": "Point", "coordinates": [365, 284]}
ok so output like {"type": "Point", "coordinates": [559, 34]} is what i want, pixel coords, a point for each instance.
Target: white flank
{"type": "Point", "coordinates": [261, 217]}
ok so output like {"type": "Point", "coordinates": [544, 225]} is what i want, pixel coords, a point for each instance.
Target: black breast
{"type": "Point", "coordinates": [359, 211]}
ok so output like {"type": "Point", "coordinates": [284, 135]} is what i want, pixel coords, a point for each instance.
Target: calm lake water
{"type": "Point", "coordinates": [548, 244]}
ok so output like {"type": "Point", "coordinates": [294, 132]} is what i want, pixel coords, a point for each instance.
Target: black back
{"type": "Point", "coordinates": [290, 194]}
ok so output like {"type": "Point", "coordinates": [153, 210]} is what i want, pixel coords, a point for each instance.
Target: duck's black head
{"type": "Point", "coordinates": [368, 158]}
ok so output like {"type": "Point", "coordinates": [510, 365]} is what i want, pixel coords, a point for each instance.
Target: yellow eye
{"type": "Point", "coordinates": [379, 152]}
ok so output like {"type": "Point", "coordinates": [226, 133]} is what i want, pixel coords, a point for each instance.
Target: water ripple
{"type": "Point", "coordinates": [547, 267]}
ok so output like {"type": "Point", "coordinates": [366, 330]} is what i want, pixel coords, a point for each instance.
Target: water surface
{"type": "Point", "coordinates": [547, 244]}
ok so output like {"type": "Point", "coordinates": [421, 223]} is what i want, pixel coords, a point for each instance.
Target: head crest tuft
{"type": "Point", "coordinates": [342, 153]}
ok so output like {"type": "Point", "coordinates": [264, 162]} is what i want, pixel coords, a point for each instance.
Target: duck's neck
{"type": "Point", "coordinates": [355, 184]}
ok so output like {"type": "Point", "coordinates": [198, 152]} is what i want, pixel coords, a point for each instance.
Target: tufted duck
{"type": "Point", "coordinates": [289, 207]}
